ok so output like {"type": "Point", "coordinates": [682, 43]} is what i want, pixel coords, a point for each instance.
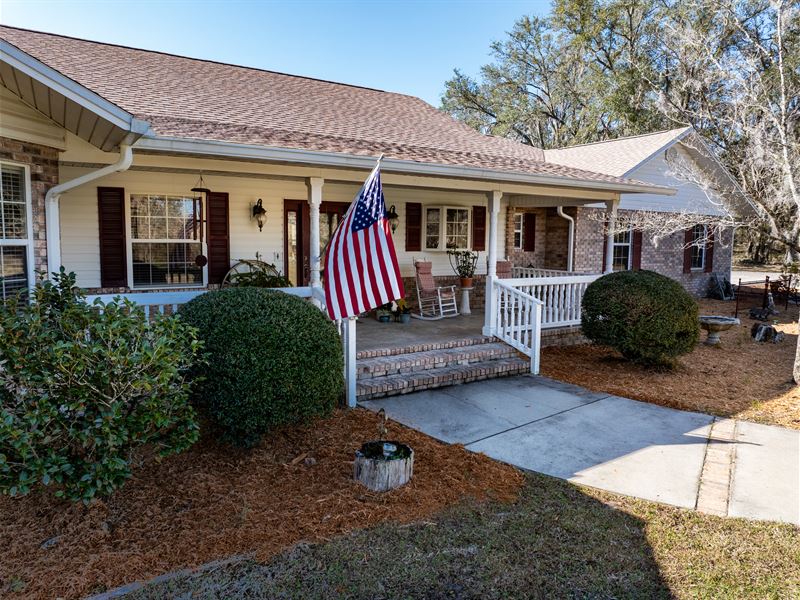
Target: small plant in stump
{"type": "Point", "coordinates": [383, 465]}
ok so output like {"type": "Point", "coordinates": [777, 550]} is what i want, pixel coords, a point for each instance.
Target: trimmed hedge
{"type": "Point", "coordinates": [273, 359]}
{"type": "Point", "coordinates": [647, 317]}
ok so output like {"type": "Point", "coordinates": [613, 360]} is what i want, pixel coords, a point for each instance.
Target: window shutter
{"type": "Point", "coordinates": [605, 242]}
{"type": "Point", "coordinates": [529, 232]}
{"type": "Point", "coordinates": [636, 261]}
{"type": "Point", "coordinates": [479, 228]}
{"type": "Point", "coordinates": [218, 236]}
{"type": "Point", "coordinates": [687, 250]}
{"type": "Point", "coordinates": [413, 226]}
{"type": "Point", "coordinates": [710, 252]}
{"type": "Point", "coordinates": [113, 247]}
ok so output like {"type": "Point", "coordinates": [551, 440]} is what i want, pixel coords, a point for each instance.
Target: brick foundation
{"type": "Point", "coordinates": [43, 164]}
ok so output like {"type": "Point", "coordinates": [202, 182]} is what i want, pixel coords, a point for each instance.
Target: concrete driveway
{"type": "Point", "coordinates": [681, 458]}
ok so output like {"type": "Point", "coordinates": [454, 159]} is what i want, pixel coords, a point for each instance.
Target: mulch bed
{"type": "Point", "coordinates": [214, 501]}
{"type": "Point", "coordinates": [739, 378]}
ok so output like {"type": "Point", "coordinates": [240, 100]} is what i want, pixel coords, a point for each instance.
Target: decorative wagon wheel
{"type": "Point", "coordinates": [245, 269]}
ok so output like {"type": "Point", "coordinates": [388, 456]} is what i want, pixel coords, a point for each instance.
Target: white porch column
{"type": "Point", "coordinates": [491, 299]}
{"type": "Point", "coordinates": [611, 221]}
{"type": "Point", "coordinates": [314, 200]}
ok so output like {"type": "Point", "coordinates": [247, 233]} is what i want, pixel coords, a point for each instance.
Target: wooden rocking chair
{"type": "Point", "coordinates": [435, 302]}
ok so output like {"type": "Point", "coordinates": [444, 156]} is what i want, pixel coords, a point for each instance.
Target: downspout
{"type": "Point", "coordinates": [570, 248]}
{"type": "Point", "coordinates": [51, 203]}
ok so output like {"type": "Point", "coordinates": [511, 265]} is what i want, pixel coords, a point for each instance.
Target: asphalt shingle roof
{"type": "Point", "coordinates": [614, 157]}
{"type": "Point", "coordinates": [199, 99]}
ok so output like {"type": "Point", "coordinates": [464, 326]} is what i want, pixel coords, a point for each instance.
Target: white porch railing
{"type": "Point", "coordinates": [159, 301]}
{"type": "Point", "coordinates": [528, 272]}
{"type": "Point", "coordinates": [518, 320]}
{"type": "Point", "coordinates": [562, 297]}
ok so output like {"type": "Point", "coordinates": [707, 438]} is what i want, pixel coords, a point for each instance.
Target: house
{"type": "Point", "coordinates": [658, 158]}
{"type": "Point", "coordinates": [101, 146]}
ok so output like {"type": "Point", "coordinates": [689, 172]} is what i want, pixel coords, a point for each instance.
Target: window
{"type": "Point", "coordinates": [518, 235]}
{"type": "Point", "coordinates": [165, 239]}
{"type": "Point", "coordinates": [447, 228]}
{"type": "Point", "coordinates": [623, 250]}
{"type": "Point", "coordinates": [15, 246]}
{"type": "Point", "coordinates": [699, 235]}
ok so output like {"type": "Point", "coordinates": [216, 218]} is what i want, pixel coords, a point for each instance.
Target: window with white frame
{"type": "Point", "coordinates": [518, 231]}
{"type": "Point", "coordinates": [165, 240]}
{"type": "Point", "coordinates": [623, 250]}
{"type": "Point", "coordinates": [447, 228]}
{"type": "Point", "coordinates": [15, 242]}
{"type": "Point", "coordinates": [699, 236]}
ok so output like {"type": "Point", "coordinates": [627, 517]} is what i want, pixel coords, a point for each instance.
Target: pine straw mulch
{"type": "Point", "coordinates": [740, 378]}
{"type": "Point", "coordinates": [213, 502]}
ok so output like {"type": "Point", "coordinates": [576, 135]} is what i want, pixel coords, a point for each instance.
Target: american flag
{"type": "Point", "coordinates": [361, 271]}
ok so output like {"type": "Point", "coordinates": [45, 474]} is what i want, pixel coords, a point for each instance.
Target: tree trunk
{"type": "Point", "coordinates": [796, 371]}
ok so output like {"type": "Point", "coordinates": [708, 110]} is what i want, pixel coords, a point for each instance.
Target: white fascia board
{"type": "Point", "coordinates": [343, 160]}
{"type": "Point", "coordinates": [70, 89]}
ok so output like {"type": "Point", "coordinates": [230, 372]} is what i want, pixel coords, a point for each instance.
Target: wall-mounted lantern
{"type": "Point", "coordinates": [393, 218]}
{"type": "Point", "coordinates": [260, 214]}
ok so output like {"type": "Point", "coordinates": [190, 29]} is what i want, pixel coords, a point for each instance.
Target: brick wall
{"type": "Point", "coordinates": [665, 258]}
{"type": "Point", "coordinates": [557, 239]}
{"type": "Point", "coordinates": [43, 164]}
{"type": "Point", "coordinates": [521, 258]}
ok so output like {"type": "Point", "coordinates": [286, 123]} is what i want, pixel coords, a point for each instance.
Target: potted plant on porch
{"type": "Point", "coordinates": [463, 263]}
{"type": "Point", "coordinates": [401, 311]}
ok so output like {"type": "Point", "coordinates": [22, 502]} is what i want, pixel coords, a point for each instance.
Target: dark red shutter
{"type": "Point", "coordinates": [113, 248]}
{"type": "Point", "coordinates": [218, 236]}
{"type": "Point", "coordinates": [413, 226]}
{"type": "Point", "coordinates": [710, 252]}
{"type": "Point", "coordinates": [605, 243]}
{"type": "Point", "coordinates": [636, 261]}
{"type": "Point", "coordinates": [479, 228]}
{"type": "Point", "coordinates": [688, 238]}
{"type": "Point", "coordinates": [529, 232]}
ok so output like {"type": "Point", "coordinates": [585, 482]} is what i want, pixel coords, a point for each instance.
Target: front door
{"type": "Point", "coordinates": [297, 236]}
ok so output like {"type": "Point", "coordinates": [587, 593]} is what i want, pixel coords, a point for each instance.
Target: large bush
{"type": "Point", "coordinates": [81, 389]}
{"type": "Point", "coordinates": [273, 359]}
{"type": "Point", "coordinates": [647, 317]}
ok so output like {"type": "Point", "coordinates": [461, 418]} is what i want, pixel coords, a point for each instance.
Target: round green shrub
{"type": "Point", "coordinates": [647, 317]}
{"type": "Point", "coordinates": [272, 359]}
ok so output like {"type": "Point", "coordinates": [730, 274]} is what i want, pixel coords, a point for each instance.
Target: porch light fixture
{"type": "Point", "coordinates": [393, 218]}
{"type": "Point", "coordinates": [259, 214]}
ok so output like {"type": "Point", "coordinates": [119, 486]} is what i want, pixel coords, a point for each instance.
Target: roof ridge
{"type": "Point", "coordinates": [207, 60]}
{"type": "Point", "coordinates": [624, 137]}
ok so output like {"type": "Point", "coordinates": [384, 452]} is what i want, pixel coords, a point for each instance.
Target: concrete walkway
{"type": "Point", "coordinates": [693, 460]}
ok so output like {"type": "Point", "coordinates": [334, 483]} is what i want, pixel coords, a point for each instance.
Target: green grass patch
{"type": "Point", "coordinates": [557, 540]}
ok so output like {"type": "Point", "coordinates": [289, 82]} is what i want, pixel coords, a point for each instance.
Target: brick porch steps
{"type": "Point", "coordinates": [450, 363]}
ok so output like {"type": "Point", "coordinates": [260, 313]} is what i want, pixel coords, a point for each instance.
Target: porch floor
{"type": "Point", "coordinates": [372, 336]}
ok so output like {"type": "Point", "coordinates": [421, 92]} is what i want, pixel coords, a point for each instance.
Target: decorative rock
{"type": "Point", "coordinates": [383, 466]}
{"type": "Point", "coordinates": [761, 332]}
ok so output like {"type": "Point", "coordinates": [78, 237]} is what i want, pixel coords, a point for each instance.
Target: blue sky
{"type": "Point", "coordinates": [410, 47]}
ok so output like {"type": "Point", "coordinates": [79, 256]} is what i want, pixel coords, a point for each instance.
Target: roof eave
{"type": "Point", "coordinates": [130, 128]}
{"type": "Point", "coordinates": [344, 160]}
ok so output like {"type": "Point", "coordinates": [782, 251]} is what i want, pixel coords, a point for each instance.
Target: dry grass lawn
{"type": "Point", "coordinates": [740, 378]}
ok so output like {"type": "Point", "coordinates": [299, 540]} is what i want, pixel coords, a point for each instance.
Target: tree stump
{"type": "Point", "coordinates": [383, 466]}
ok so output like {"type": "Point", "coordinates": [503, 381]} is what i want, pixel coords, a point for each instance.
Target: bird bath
{"type": "Point", "coordinates": [714, 325]}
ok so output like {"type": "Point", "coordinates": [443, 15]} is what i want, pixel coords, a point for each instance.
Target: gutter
{"type": "Point", "coordinates": [354, 161]}
{"type": "Point", "coordinates": [570, 247]}
{"type": "Point", "coordinates": [51, 203]}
